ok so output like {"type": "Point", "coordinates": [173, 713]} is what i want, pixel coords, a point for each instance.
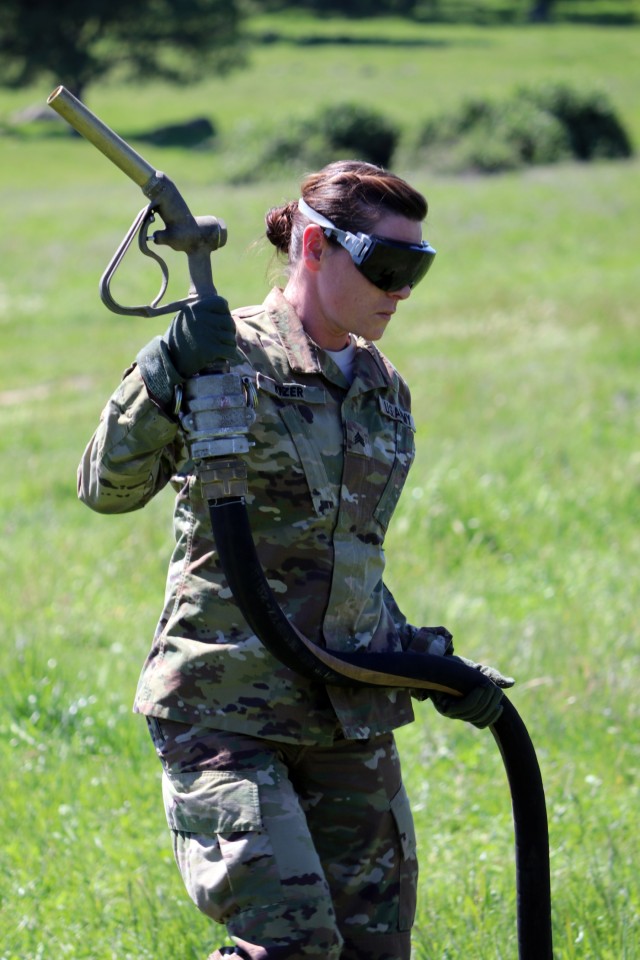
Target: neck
{"type": "Point", "coordinates": [301, 297]}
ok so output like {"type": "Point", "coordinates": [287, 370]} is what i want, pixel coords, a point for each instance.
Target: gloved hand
{"type": "Point", "coordinates": [481, 706]}
{"type": "Point", "coordinates": [200, 334]}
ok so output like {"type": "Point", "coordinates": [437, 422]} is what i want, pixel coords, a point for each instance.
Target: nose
{"type": "Point", "coordinates": [402, 294]}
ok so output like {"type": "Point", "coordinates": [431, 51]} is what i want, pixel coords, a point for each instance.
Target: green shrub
{"type": "Point", "coordinates": [593, 129]}
{"type": "Point", "coordinates": [533, 126]}
{"type": "Point", "coordinates": [358, 131]}
{"type": "Point", "coordinates": [334, 132]}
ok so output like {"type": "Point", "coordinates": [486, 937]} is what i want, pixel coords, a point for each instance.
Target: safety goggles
{"type": "Point", "coordinates": [388, 264]}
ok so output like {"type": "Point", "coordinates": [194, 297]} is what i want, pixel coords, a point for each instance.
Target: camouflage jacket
{"type": "Point", "coordinates": [326, 468]}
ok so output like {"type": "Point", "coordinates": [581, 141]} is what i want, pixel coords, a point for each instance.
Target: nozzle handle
{"type": "Point", "coordinates": [101, 136]}
{"type": "Point", "coordinates": [195, 236]}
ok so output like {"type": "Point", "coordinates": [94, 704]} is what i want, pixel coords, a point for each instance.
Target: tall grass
{"type": "Point", "coordinates": [518, 528]}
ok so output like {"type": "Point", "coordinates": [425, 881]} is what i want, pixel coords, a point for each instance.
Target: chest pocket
{"type": "Point", "coordinates": [323, 492]}
{"type": "Point", "coordinates": [303, 410]}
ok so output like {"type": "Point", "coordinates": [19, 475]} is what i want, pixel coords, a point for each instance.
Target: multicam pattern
{"type": "Point", "coordinates": [326, 468]}
{"type": "Point", "coordinates": [305, 852]}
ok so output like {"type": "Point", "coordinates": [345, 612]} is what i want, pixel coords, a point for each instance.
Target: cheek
{"type": "Point", "coordinates": [346, 293]}
{"type": "Point", "coordinates": [340, 293]}
{"type": "Point", "coordinates": [352, 288]}
{"type": "Point", "coordinates": [353, 304]}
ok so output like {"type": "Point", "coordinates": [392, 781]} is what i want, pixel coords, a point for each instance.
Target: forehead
{"type": "Point", "coordinates": [393, 226]}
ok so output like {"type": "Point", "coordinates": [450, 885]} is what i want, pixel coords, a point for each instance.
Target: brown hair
{"type": "Point", "coordinates": [353, 194]}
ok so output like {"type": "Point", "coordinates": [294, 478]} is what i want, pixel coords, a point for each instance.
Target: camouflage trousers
{"type": "Point", "coordinates": [302, 851]}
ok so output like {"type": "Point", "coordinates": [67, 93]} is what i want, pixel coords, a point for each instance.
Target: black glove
{"type": "Point", "coordinates": [482, 706]}
{"type": "Point", "coordinates": [200, 334]}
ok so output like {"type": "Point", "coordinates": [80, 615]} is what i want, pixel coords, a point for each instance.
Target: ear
{"type": "Point", "coordinates": [313, 245]}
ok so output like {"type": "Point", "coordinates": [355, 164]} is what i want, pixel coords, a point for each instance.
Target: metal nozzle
{"type": "Point", "coordinates": [101, 136]}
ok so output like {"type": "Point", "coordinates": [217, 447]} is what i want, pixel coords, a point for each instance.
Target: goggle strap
{"type": "Point", "coordinates": [313, 215]}
{"type": "Point", "coordinates": [357, 245]}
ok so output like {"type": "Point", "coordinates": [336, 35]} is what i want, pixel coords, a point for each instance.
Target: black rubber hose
{"type": "Point", "coordinates": [260, 608]}
{"type": "Point", "coordinates": [533, 882]}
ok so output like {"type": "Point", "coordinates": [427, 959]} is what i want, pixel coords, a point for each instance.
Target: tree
{"type": "Point", "coordinates": [540, 11]}
{"type": "Point", "coordinates": [77, 42]}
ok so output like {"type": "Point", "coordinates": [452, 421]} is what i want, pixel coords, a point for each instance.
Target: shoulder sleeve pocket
{"type": "Point", "coordinates": [210, 802]}
{"type": "Point", "coordinates": [405, 452]}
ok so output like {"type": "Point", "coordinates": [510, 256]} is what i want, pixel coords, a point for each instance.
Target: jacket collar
{"type": "Point", "coordinates": [373, 370]}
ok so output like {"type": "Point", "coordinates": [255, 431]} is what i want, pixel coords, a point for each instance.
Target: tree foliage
{"type": "Point", "coordinates": [77, 42]}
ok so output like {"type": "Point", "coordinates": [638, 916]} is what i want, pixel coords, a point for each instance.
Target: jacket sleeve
{"type": "Point", "coordinates": [418, 639]}
{"type": "Point", "coordinates": [133, 453]}
{"type": "Point", "coordinates": [406, 631]}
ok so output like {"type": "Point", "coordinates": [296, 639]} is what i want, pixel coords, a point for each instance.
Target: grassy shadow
{"type": "Point", "coordinates": [346, 40]}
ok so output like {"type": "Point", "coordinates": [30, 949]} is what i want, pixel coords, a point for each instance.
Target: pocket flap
{"type": "Point", "coordinates": [210, 802]}
{"type": "Point", "coordinates": [401, 810]}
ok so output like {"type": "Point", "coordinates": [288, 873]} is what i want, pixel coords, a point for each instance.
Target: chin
{"type": "Point", "coordinates": [379, 330]}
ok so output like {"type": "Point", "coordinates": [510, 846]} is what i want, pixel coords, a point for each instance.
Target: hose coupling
{"type": "Point", "coordinates": [218, 411]}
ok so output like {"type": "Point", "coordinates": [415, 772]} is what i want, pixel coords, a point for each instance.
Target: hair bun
{"type": "Point", "coordinates": [279, 222]}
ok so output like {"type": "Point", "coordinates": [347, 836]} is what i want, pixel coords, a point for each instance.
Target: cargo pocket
{"type": "Point", "coordinates": [211, 802]}
{"type": "Point", "coordinates": [222, 851]}
{"type": "Point", "coordinates": [401, 810]}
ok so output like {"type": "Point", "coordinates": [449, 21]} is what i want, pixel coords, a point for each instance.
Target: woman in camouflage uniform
{"type": "Point", "coordinates": [284, 796]}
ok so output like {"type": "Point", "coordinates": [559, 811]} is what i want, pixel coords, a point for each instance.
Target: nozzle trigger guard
{"type": "Point", "coordinates": [140, 226]}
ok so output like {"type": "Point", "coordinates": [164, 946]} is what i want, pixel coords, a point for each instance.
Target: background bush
{"type": "Point", "coordinates": [589, 119]}
{"type": "Point", "coordinates": [332, 132]}
{"type": "Point", "coordinates": [541, 125]}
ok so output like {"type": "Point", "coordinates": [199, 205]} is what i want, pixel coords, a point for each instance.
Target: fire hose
{"type": "Point", "coordinates": [216, 418]}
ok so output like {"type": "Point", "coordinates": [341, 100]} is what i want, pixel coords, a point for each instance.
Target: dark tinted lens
{"type": "Point", "coordinates": [392, 266]}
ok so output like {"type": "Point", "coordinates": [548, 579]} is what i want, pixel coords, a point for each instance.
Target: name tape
{"type": "Point", "coordinates": [290, 391]}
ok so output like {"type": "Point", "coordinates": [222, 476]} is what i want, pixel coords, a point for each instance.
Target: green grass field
{"type": "Point", "coordinates": [518, 528]}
